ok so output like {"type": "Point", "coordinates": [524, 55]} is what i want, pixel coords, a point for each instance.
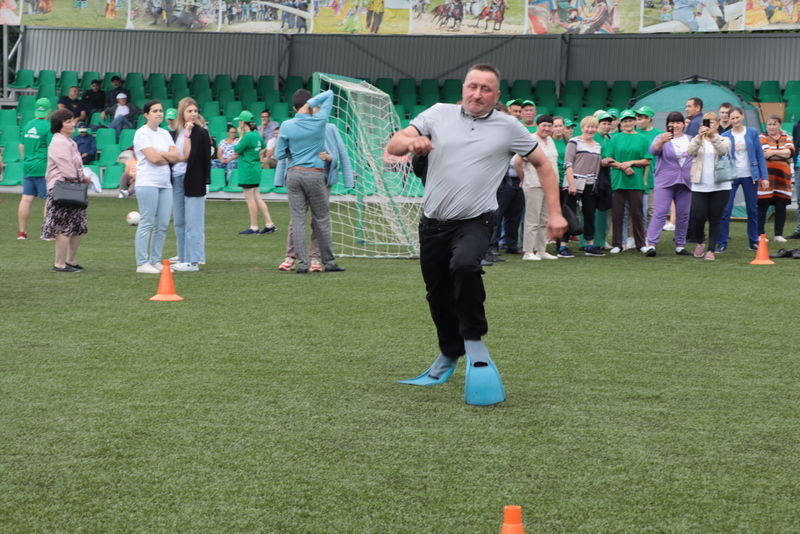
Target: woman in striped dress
{"type": "Point", "coordinates": [777, 191]}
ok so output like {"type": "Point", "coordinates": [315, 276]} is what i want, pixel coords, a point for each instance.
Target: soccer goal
{"type": "Point", "coordinates": [378, 217]}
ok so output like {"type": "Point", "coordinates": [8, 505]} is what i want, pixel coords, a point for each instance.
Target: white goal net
{"type": "Point", "coordinates": [377, 217]}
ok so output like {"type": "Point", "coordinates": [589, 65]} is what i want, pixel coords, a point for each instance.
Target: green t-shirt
{"type": "Point", "coordinates": [249, 165]}
{"type": "Point", "coordinates": [603, 140]}
{"type": "Point", "coordinates": [531, 129]}
{"type": "Point", "coordinates": [36, 137]}
{"type": "Point", "coordinates": [626, 147]}
{"type": "Point", "coordinates": [650, 135]}
{"type": "Point", "coordinates": [561, 148]}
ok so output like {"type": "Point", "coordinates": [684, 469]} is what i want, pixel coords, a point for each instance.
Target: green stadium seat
{"type": "Point", "coordinates": [504, 86]}
{"type": "Point", "coordinates": [178, 81]}
{"type": "Point", "coordinates": [46, 77]}
{"type": "Point", "coordinates": [23, 79]}
{"type": "Point", "coordinates": [88, 76]}
{"type": "Point", "coordinates": [108, 156]}
{"type": "Point", "coordinates": [621, 93]}
{"type": "Point", "coordinates": [544, 87]}
{"type": "Point", "coordinates": [8, 118]}
{"type": "Point", "coordinates": [139, 103]}
{"type": "Point", "coordinates": [25, 116]}
{"type": "Point", "coordinates": [279, 111]}
{"type": "Point", "coordinates": [217, 180]}
{"type": "Point", "coordinates": [159, 92]}
{"type": "Point", "coordinates": [417, 109]}
{"type": "Point", "coordinates": [232, 109]}
{"type": "Point", "coordinates": [180, 93]}
{"type": "Point", "coordinates": [10, 135]}
{"type": "Point", "coordinates": [111, 176]}
{"type": "Point", "coordinates": [597, 93]}
{"type": "Point", "coordinates": [267, 180]}
{"type": "Point", "coordinates": [136, 93]}
{"type": "Point", "coordinates": [572, 100]}
{"type": "Point", "coordinates": [247, 97]}
{"type": "Point", "coordinates": [222, 81]}
{"type": "Point", "coordinates": [292, 84]}
{"type": "Point", "coordinates": [644, 87]}
{"type": "Point", "coordinates": [11, 152]}
{"type": "Point", "coordinates": [209, 109]}
{"type": "Point", "coordinates": [13, 173]}
{"type": "Point", "coordinates": [126, 138]}
{"type": "Point", "coordinates": [746, 89]}
{"type": "Point", "coordinates": [156, 79]}
{"type": "Point", "coordinates": [225, 96]}
{"type": "Point", "coordinates": [106, 84]}
{"type": "Point", "coordinates": [244, 82]}
{"type": "Point", "coordinates": [270, 97]}
{"type": "Point", "coordinates": [769, 88]}
{"type": "Point", "coordinates": [451, 90]}
{"type": "Point", "coordinates": [386, 85]}
{"type": "Point", "coordinates": [256, 107]}
{"type": "Point", "coordinates": [400, 110]}
{"type": "Point", "coordinates": [134, 79]}
{"type": "Point", "coordinates": [105, 136]}
{"type": "Point", "coordinates": [792, 87]}
{"type": "Point", "coordinates": [68, 79]}
{"type": "Point", "coordinates": [406, 92]}
{"type": "Point", "coordinates": [585, 112]}
{"type": "Point", "coordinates": [522, 89]}
{"type": "Point", "coordinates": [265, 83]}
{"type": "Point", "coordinates": [572, 87]}
{"type": "Point", "coordinates": [233, 185]}
{"type": "Point", "coordinates": [217, 126]}
{"type": "Point", "coordinates": [280, 190]}
{"type": "Point", "coordinates": [202, 96]}
{"type": "Point", "coordinates": [48, 92]}
{"type": "Point", "coordinates": [563, 111]}
{"type": "Point", "coordinates": [26, 103]}
{"type": "Point", "coordinates": [200, 82]}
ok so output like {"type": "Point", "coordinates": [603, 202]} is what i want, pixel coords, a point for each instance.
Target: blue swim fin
{"type": "Point", "coordinates": [483, 385]}
{"type": "Point", "coordinates": [445, 367]}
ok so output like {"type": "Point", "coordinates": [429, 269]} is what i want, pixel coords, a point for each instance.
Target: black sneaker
{"type": "Point", "coordinates": [331, 267]}
{"type": "Point", "coordinates": [75, 266]}
{"type": "Point", "coordinates": [269, 229]}
{"type": "Point", "coordinates": [590, 250]}
{"type": "Point", "coordinates": [795, 235]}
{"type": "Point", "coordinates": [564, 252]}
{"type": "Point", "coordinates": [302, 268]}
{"type": "Point", "coordinates": [682, 252]}
{"type": "Point", "coordinates": [66, 269]}
{"type": "Point", "coordinates": [248, 231]}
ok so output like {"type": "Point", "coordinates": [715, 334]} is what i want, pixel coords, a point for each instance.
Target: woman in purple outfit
{"type": "Point", "coordinates": [673, 183]}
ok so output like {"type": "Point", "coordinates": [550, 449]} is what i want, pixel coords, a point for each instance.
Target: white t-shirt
{"type": "Point", "coordinates": [150, 174]}
{"type": "Point", "coordinates": [740, 152]}
{"type": "Point", "coordinates": [121, 110]}
{"type": "Point", "coordinates": [550, 150]}
{"type": "Point", "coordinates": [707, 184]}
{"type": "Point", "coordinates": [680, 145]}
{"type": "Point", "coordinates": [179, 169]}
{"type": "Point", "coordinates": [271, 143]}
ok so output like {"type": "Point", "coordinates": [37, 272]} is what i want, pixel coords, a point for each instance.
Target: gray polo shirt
{"type": "Point", "coordinates": [469, 159]}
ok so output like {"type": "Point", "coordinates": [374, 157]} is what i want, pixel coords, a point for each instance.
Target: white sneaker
{"type": "Point", "coordinates": [669, 227]}
{"type": "Point", "coordinates": [147, 268]}
{"type": "Point", "coordinates": [779, 239]}
{"type": "Point", "coordinates": [547, 256]}
{"type": "Point", "coordinates": [174, 259]}
{"type": "Point", "coordinates": [615, 250]}
{"type": "Point", "coordinates": [530, 256]}
{"type": "Point", "coordinates": [185, 267]}
{"type": "Point", "coordinates": [123, 194]}
{"type": "Point", "coordinates": [631, 243]}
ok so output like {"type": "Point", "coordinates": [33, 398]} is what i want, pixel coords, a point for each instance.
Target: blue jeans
{"type": "Point", "coordinates": [189, 218]}
{"type": "Point", "coordinates": [155, 207]}
{"type": "Point", "coordinates": [232, 164]}
{"type": "Point", "coordinates": [751, 201]}
{"type": "Point", "coordinates": [118, 124]}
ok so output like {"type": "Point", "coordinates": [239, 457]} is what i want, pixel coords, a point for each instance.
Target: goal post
{"type": "Point", "coordinates": [378, 216]}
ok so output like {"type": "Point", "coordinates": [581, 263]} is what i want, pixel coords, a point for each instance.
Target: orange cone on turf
{"type": "Point", "coordinates": [166, 287]}
{"type": "Point", "coordinates": [762, 254]}
{"type": "Point", "coordinates": [512, 520]}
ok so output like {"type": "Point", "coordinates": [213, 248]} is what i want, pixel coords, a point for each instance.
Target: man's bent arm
{"type": "Point", "coordinates": [400, 143]}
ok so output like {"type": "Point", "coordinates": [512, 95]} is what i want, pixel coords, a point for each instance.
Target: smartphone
{"type": "Point", "coordinates": [707, 123]}
{"type": "Point", "coordinates": [669, 129]}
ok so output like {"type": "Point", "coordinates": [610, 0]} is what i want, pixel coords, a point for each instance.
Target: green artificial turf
{"type": "Point", "coordinates": [644, 395]}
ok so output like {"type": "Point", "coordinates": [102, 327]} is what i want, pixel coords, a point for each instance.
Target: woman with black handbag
{"type": "Point", "coordinates": [65, 215]}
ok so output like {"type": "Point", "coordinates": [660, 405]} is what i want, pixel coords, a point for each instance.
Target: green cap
{"type": "Point", "coordinates": [614, 112]}
{"type": "Point", "coordinates": [568, 123]}
{"type": "Point", "coordinates": [42, 108]}
{"type": "Point", "coordinates": [527, 103]}
{"type": "Point", "coordinates": [244, 116]}
{"type": "Point", "coordinates": [627, 114]}
{"type": "Point", "coordinates": [604, 116]}
{"type": "Point", "coordinates": [645, 110]}
{"type": "Point", "coordinates": [513, 102]}
{"type": "Point", "coordinates": [171, 113]}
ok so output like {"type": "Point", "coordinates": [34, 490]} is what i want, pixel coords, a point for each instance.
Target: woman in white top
{"type": "Point", "coordinates": [709, 197]}
{"type": "Point", "coordinates": [155, 151]}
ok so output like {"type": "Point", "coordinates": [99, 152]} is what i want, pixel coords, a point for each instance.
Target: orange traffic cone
{"type": "Point", "coordinates": [762, 254]}
{"type": "Point", "coordinates": [512, 520]}
{"type": "Point", "coordinates": [166, 287]}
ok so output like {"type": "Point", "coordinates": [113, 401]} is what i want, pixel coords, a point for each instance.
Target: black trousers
{"type": "Point", "coordinates": [450, 259]}
{"type": "Point", "coordinates": [510, 206]}
{"type": "Point", "coordinates": [588, 208]}
{"type": "Point", "coordinates": [708, 207]}
{"type": "Point", "coordinates": [780, 215]}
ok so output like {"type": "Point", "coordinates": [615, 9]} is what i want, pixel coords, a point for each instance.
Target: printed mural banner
{"type": "Point", "coordinates": [420, 17]}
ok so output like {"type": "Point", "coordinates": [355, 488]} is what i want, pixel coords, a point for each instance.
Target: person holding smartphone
{"type": "Point", "coordinates": [672, 184]}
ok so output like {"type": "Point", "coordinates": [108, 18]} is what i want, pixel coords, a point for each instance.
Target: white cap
{"type": "Point", "coordinates": [122, 95]}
